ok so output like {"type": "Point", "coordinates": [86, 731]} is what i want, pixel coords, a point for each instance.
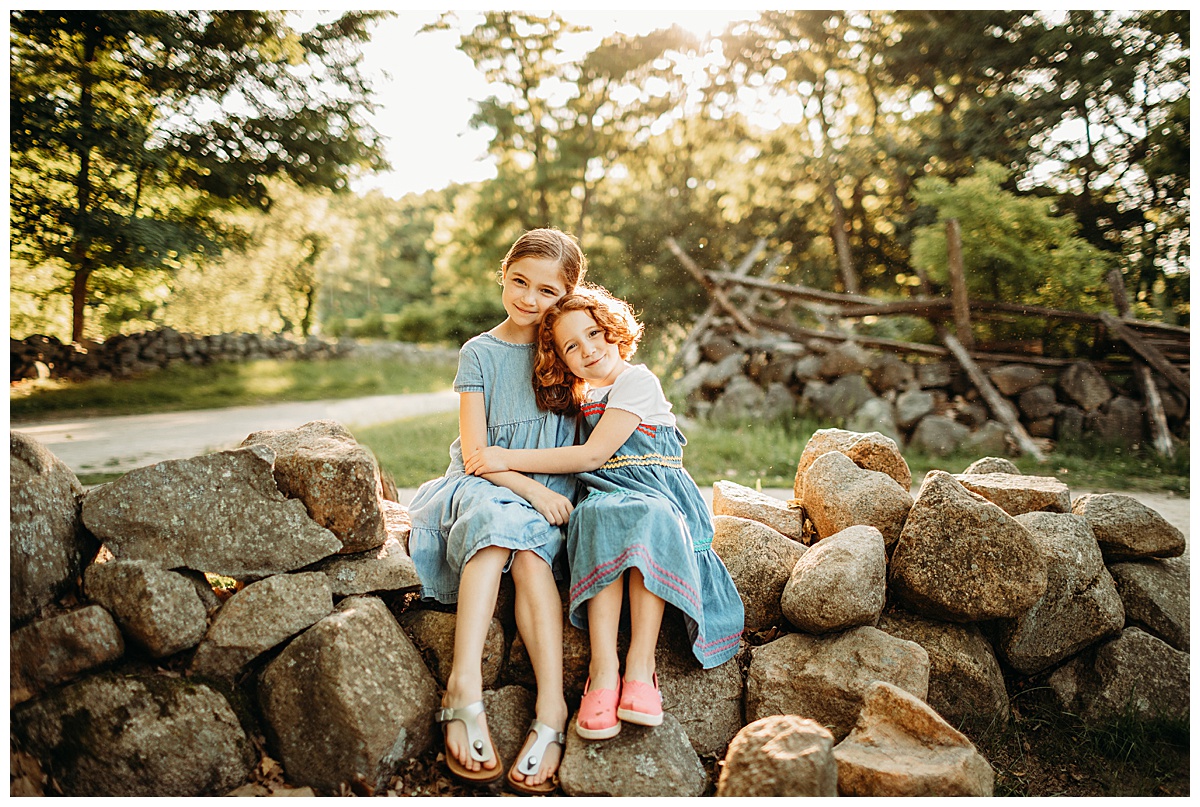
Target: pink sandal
{"type": "Point", "coordinates": [597, 719]}
{"type": "Point", "coordinates": [641, 703]}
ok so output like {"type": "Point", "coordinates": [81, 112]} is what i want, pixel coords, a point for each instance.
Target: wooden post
{"type": "Point", "coordinates": [958, 285]}
{"type": "Point", "coordinates": [714, 291]}
{"type": "Point", "coordinates": [1004, 411]}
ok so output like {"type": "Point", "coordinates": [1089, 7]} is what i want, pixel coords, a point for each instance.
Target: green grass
{"type": "Point", "coordinates": [183, 386]}
{"type": "Point", "coordinates": [765, 455]}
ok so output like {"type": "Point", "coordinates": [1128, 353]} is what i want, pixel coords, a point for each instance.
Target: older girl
{"type": "Point", "coordinates": [643, 522]}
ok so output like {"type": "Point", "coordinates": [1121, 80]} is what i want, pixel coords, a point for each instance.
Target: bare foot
{"type": "Point", "coordinates": [457, 744]}
{"type": "Point", "coordinates": [556, 717]}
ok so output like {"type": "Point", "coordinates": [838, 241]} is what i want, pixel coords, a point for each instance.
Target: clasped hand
{"type": "Point", "coordinates": [489, 460]}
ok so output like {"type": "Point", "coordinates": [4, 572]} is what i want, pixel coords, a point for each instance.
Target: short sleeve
{"type": "Point", "coordinates": [469, 377]}
{"type": "Point", "coordinates": [637, 390]}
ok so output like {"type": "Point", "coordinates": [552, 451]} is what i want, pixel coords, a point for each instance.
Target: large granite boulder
{"type": "Point", "coordinates": [1016, 494]}
{"type": "Point", "coordinates": [348, 699]}
{"type": "Point", "coordinates": [781, 755]}
{"type": "Point", "coordinates": [433, 632]}
{"type": "Point", "coordinates": [961, 558]}
{"type": "Point", "coordinates": [871, 451]}
{"type": "Point", "coordinates": [159, 610]}
{"type": "Point", "coordinates": [639, 761]}
{"type": "Point", "coordinates": [1085, 385]}
{"type": "Point", "coordinates": [1080, 606]}
{"type": "Point", "coordinates": [259, 617]}
{"type": "Point", "coordinates": [840, 582]}
{"type": "Point", "coordinates": [322, 465]}
{"type": "Point", "coordinates": [845, 358]}
{"type": "Point", "coordinates": [965, 681]}
{"type": "Point", "coordinates": [1157, 597]}
{"type": "Point", "coordinates": [219, 513]}
{"type": "Point", "coordinates": [47, 545]}
{"type": "Point", "coordinates": [992, 465]}
{"type": "Point", "coordinates": [1013, 379]}
{"type": "Point", "coordinates": [938, 436]}
{"type": "Point", "coordinates": [509, 710]}
{"type": "Point", "coordinates": [1135, 674]}
{"type": "Point", "coordinates": [1126, 529]}
{"type": "Point", "coordinates": [912, 405]}
{"type": "Point", "coordinates": [732, 499]}
{"type": "Point", "coordinates": [137, 735]}
{"type": "Point", "coordinates": [901, 747]}
{"type": "Point", "coordinates": [55, 650]}
{"type": "Point", "coordinates": [759, 560]}
{"type": "Point", "coordinates": [384, 568]}
{"type": "Point", "coordinates": [1039, 402]}
{"type": "Point", "coordinates": [838, 494]}
{"type": "Point", "coordinates": [826, 677]}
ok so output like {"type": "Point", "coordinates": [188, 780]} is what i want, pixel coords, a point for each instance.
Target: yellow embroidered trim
{"type": "Point", "coordinates": [643, 459]}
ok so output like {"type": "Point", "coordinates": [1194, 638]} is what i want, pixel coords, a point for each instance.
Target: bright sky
{"type": "Point", "coordinates": [427, 90]}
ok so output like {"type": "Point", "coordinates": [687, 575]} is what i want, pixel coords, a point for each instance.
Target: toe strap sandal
{"type": "Point", "coordinates": [531, 761]}
{"type": "Point", "coordinates": [477, 742]}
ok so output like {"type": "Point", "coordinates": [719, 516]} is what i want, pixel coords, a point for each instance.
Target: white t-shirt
{"type": "Point", "coordinates": [637, 390]}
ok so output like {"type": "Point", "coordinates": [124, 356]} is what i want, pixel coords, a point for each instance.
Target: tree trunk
{"type": "Point", "coordinates": [82, 241]}
{"type": "Point", "coordinates": [841, 242]}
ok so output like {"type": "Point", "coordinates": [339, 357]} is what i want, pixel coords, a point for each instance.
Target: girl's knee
{"type": "Point", "coordinates": [526, 561]}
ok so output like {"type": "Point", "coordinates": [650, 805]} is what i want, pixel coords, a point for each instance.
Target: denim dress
{"type": "Point", "coordinates": [644, 511]}
{"type": "Point", "coordinates": [456, 515]}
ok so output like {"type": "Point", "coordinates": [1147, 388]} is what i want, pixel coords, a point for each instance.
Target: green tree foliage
{"type": "Point", "coordinates": [133, 132]}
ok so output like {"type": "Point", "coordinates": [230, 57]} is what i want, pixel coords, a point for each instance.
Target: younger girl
{"type": "Point", "coordinates": [643, 518]}
{"type": "Point", "coordinates": [467, 531]}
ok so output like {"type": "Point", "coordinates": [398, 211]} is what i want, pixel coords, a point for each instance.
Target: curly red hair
{"type": "Point", "coordinates": [558, 389]}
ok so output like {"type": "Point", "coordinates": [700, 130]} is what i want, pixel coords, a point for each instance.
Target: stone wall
{"type": "Point", "coordinates": [246, 622]}
{"type": "Point", "coordinates": [928, 405]}
{"type": "Point", "coordinates": [122, 356]}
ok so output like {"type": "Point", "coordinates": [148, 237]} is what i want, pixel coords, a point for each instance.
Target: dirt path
{"type": "Point", "coordinates": [122, 443]}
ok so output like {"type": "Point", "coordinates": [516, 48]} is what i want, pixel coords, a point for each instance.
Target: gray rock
{"type": "Point", "coordinates": [1157, 597]}
{"type": "Point", "coordinates": [723, 371]}
{"type": "Point", "coordinates": [1016, 494]}
{"type": "Point", "coordinates": [814, 400]}
{"type": "Point", "coordinates": [157, 609]}
{"type": "Point", "coordinates": [732, 499]}
{"type": "Point", "coordinates": [707, 703]}
{"type": "Point", "coordinates": [259, 617]}
{"type": "Point", "coordinates": [688, 386]}
{"type": "Point", "coordinates": [322, 465]}
{"type": "Point", "coordinates": [385, 568]}
{"type": "Point", "coordinates": [716, 348]}
{"type": "Point", "coordinates": [780, 362]}
{"type": "Point", "coordinates": [901, 747]}
{"type": "Point", "coordinates": [778, 403]}
{"type": "Point", "coordinates": [826, 677]}
{"type": "Point", "coordinates": [1080, 606]}
{"type": "Point", "coordinates": [509, 710]}
{"type": "Point", "coordinates": [1135, 674]}
{"type": "Point", "coordinates": [876, 415]}
{"type": "Point", "coordinates": [847, 394]}
{"type": "Point", "coordinates": [807, 368]}
{"type": "Point", "coordinates": [990, 438]}
{"type": "Point", "coordinates": [933, 374]}
{"type": "Point", "coordinates": [890, 373]}
{"type": "Point", "coordinates": [1120, 421]}
{"type": "Point", "coordinates": [742, 400]}
{"type": "Point", "coordinates": [397, 522]}
{"type": "Point", "coordinates": [433, 632]}
{"type": "Point", "coordinates": [1126, 529]}
{"type": "Point", "coordinates": [1039, 402]}
{"type": "Point", "coordinates": [965, 681]}
{"type": "Point", "coordinates": [55, 650]}
{"type": "Point", "coordinates": [1013, 379]}
{"type": "Point", "coordinates": [219, 513]}
{"type": "Point", "coordinates": [1084, 384]}
{"type": "Point", "coordinates": [348, 699]}
{"type": "Point", "coordinates": [1041, 428]}
{"type": "Point", "coordinates": [1068, 424]}
{"type": "Point", "coordinates": [839, 583]}
{"type": "Point", "coordinates": [938, 436]}
{"type": "Point", "coordinates": [639, 761]}
{"type": "Point", "coordinates": [972, 414]}
{"type": "Point", "coordinates": [844, 359]}
{"type": "Point", "coordinates": [47, 546]}
{"type": "Point", "coordinates": [961, 558]}
{"type": "Point", "coordinates": [911, 406]}
{"type": "Point", "coordinates": [781, 755]}
{"type": "Point", "coordinates": [992, 465]}
{"type": "Point", "coordinates": [759, 560]}
{"type": "Point", "coordinates": [872, 451]}
{"type": "Point", "coordinates": [138, 735]}
{"type": "Point", "coordinates": [838, 494]}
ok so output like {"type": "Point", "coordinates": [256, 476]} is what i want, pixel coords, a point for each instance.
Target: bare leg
{"type": "Point", "coordinates": [604, 617]}
{"type": "Point", "coordinates": [477, 591]}
{"type": "Point", "coordinates": [539, 621]}
{"type": "Point", "coordinates": [645, 619]}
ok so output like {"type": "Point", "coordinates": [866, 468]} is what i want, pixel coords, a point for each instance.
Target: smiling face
{"type": "Point", "coordinates": [531, 286]}
{"type": "Point", "coordinates": [585, 349]}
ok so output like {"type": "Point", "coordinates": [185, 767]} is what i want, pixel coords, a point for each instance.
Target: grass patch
{"type": "Point", "coordinates": [183, 386]}
{"type": "Point", "coordinates": [413, 450]}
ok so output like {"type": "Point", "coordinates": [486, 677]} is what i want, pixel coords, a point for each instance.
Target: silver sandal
{"type": "Point", "coordinates": [469, 715]}
{"type": "Point", "coordinates": [529, 764]}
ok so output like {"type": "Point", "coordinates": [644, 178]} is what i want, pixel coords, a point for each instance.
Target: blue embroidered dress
{"type": "Point", "coordinates": [643, 510]}
{"type": "Point", "coordinates": [456, 515]}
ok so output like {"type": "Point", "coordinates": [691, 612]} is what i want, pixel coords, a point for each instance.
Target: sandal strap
{"type": "Point", "coordinates": [468, 715]}
{"type": "Point", "coordinates": [533, 757]}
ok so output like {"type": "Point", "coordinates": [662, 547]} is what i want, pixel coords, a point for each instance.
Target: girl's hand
{"type": "Point", "coordinates": [488, 460]}
{"type": "Point", "coordinates": [554, 507]}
